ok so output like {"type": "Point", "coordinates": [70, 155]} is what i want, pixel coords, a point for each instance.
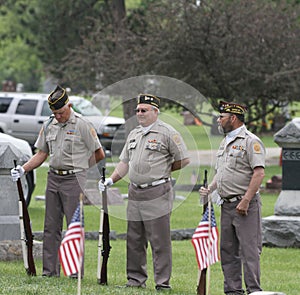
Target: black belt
{"type": "Point", "coordinates": [154, 183]}
{"type": "Point", "coordinates": [65, 172]}
{"type": "Point", "coordinates": [231, 199]}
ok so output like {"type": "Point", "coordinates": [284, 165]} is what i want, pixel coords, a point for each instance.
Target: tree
{"type": "Point", "coordinates": [60, 26]}
{"type": "Point", "coordinates": [19, 60]}
{"type": "Point", "coordinates": [245, 51]}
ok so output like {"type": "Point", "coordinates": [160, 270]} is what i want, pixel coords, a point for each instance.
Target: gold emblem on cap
{"type": "Point", "coordinates": [232, 107]}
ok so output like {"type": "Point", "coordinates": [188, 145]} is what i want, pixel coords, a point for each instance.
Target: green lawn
{"type": "Point", "coordinates": [280, 267]}
{"type": "Point", "coordinates": [280, 272]}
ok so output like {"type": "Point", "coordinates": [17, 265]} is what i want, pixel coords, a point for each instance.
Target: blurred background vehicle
{"type": "Point", "coordinates": [22, 115]}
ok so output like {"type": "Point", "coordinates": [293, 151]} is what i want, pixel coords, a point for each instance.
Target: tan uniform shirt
{"type": "Point", "coordinates": [151, 155]}
{"type": "Point", "coordinates": [236, 161]}
{"type": "Point", "coordinates": [70, 144]}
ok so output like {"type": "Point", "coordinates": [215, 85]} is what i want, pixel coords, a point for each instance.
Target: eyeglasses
{"type": "Point", "coordinates": [223, 116]}
{"type": "Point", "coordinates": [141, 110]}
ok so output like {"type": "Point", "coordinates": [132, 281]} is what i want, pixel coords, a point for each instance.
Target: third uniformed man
{"type": "Point", "coordinates": [239, 174]}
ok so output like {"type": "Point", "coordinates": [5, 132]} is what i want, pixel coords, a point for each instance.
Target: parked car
{"type": "Point", "coordinates": [111, 130]}
{"type": "Point", "coordinates": [22, 115]}
{"type": "Point", "coordinates": [29, 181]}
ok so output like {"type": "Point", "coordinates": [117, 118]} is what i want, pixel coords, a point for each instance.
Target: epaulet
{"type": "Point", "coordinates": [77, 115]}
{"type": "Point", "coordinates": [48, 122]}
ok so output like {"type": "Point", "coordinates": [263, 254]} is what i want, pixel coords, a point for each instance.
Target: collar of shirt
{"type": "Point", "coordinates": [70, 120]}
{"type": "Point", "coordinates": [232, 134]}
{"type": "Point", "coordinates": [147, 128]}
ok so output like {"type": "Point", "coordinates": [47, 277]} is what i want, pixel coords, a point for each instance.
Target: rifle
{"type": "Point", "coordinates": [103, 244]}
{"type": "Point", "coordinates": [26, 233]}
{"type": "Point", "coordinates": [201, 288]}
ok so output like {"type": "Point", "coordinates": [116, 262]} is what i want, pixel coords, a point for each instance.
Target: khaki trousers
{"type": "Point", "coordinates": [241, 246]}
{"type": "Point", "coordinates": [62, 197]}
{"type": "Point", "coordinates": [148, 214]}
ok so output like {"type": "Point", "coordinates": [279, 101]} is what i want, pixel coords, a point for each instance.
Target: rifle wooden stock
{"type": "Point", "coordinates": [104, 233]}
{"type": "Point", "coordinates": [26, 233]}
{"type": "Point", "coordinates": [201, 288]}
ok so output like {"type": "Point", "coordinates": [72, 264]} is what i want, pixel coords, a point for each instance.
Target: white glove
{"type": "Point", "coordinates": [102, 185]}
{"type": "Point", "coordinates": [17, 172]}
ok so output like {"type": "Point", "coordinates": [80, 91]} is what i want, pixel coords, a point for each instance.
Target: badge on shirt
{"type": "Point", "coordinates": [256, 148]}
{"type": "Point", "coordinates": [132, 145]}
{"type": "Point", "coordinates": [71, 132]}
{"type": "Point", "coordinates": [153, 144]}
{"type": "Point", "coordinates": [238, 147]}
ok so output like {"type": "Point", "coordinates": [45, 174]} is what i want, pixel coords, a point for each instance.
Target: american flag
{"type": "Point", "coordinates": [72, 245]}
{"type": "Point", "coordinates": [205, 244]}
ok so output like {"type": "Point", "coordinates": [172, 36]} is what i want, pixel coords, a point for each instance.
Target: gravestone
{"type": "Point", "coordinates": [282, 229]}
{"type": "Point", "coordinates": [9, 209]}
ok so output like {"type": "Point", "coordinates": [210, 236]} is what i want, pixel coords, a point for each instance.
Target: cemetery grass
{"type": "Point", "coordinates": [279, 267]}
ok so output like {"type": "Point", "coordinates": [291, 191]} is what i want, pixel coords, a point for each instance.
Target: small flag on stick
{"type": "Point", "coordinates": [72, 246]}
{"type": "Point", "coordinates": [205, 240]}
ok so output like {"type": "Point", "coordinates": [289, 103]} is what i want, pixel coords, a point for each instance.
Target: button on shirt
{"type": "Point", "coordinates": [70, 144]}
{"type": "Point", "coordinates": [236, 159]}
{"type": "Point", "coordinates": [150, 155]}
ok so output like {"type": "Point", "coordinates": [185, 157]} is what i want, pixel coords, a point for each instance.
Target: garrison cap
{"type": "Point", "coordinates": [58, 98]}
{"type": "Point", "coordinates": [148, 99]}
{"type": "Point", "coordinates": [232, 107]}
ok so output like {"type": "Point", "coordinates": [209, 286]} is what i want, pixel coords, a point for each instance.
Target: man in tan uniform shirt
{"type": "Point", "coordinates": [152, 151]}
{"type": "Point", "coordinates": [72, 145]}
{"type": "Point", "coordinates": [239, 174]}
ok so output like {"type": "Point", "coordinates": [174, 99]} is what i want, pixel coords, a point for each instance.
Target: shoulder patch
{"type": "Point", "coordinates": [256, 148]}
{"type": "Point", "coordinates": [176, 139]}
{"type": "Point", "coordinates": [93, 132]}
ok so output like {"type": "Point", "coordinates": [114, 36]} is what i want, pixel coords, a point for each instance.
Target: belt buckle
{"type": "Point", "coordinates": [143, 185]}
{"type": "Point", "coordinates": [234, 199]}
{"type": "Point", "coordinates": [60, 172]}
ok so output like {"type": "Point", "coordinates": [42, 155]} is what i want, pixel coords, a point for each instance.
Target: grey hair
{"type": "Point", "coordinates": [155, 108]}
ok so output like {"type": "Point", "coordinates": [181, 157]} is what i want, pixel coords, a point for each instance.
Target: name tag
{"type": "Point", "coordinates": [132, 145]}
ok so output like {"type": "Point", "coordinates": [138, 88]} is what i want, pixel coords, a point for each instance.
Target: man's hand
{"type": "Point", "coordinates": [17, 172]}
{"type": "Point", "coordinates": [243, 206]}
{"type": "Point", "coordinates": [204, 191]}
{"type": "Point", "coordinates": [102, 185]}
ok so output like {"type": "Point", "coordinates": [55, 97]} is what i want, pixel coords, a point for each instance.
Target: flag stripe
{"type": "Point", "coordinates": [72, 245]}
{"type": "Point", "coordinates": [205, 245]}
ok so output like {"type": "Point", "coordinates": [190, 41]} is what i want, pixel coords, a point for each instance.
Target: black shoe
{"type": "Point", "coordinates": [132, 286]}
{"type": "Point", "coordinates": [47, 275]}
{"type": "Point", "coordinates": [163, 288]}
{"type": "Point", "coordinates": [74, 276]}
{"type": "Point", "coordinates": [135, 286]}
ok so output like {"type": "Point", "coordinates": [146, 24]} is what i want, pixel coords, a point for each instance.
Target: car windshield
{"type": "Point", "coordinates": [86, 108]}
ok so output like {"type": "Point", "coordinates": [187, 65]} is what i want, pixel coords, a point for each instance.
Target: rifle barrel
{"type": "Point", "coordinates": [105, 236]}
{"type": "Point", "coordinates": [27, 230]}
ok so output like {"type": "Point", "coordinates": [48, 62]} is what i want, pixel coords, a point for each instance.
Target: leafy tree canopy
{"type": "Point", "coordinates": [246, 51]}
